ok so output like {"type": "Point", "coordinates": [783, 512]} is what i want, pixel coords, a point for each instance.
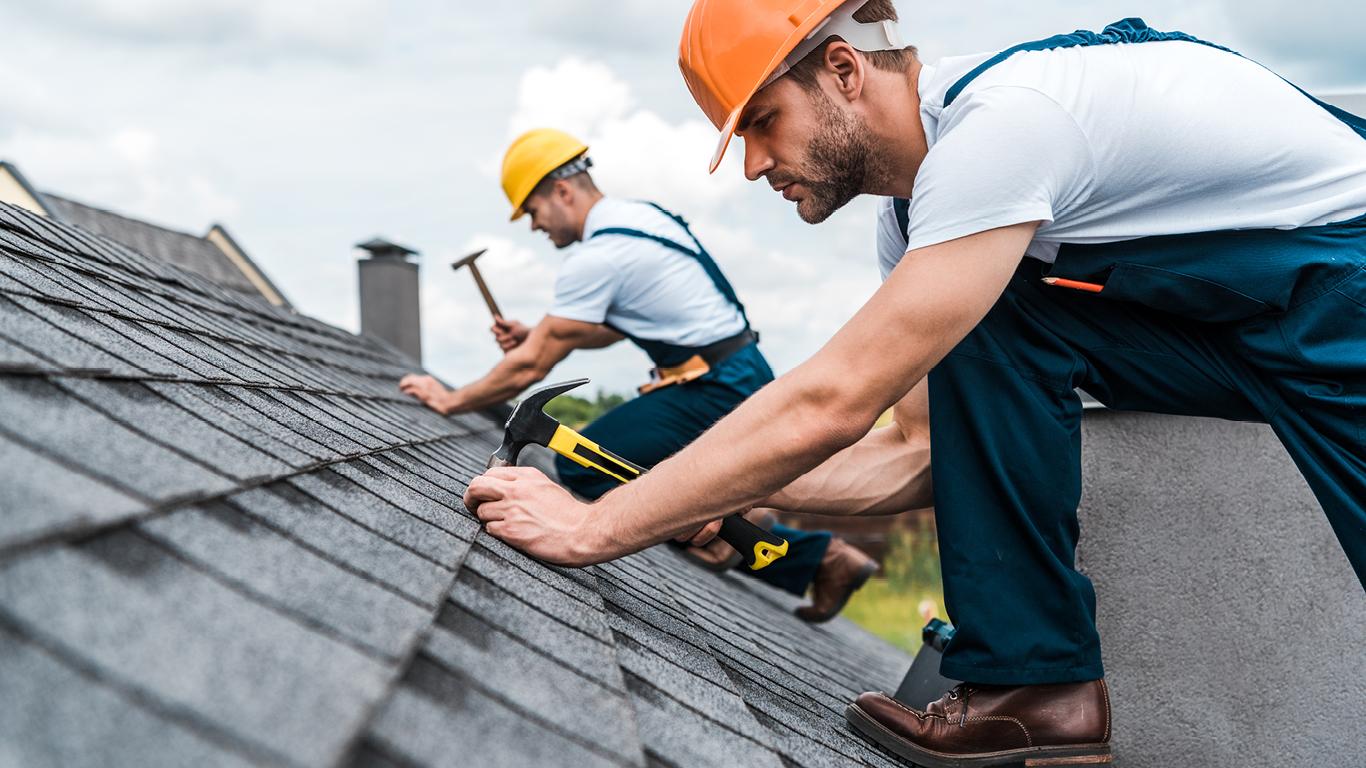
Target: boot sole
{"type": "Point", "coordinates": [1030, 757]}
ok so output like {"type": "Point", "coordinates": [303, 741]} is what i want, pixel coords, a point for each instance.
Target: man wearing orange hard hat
{"type": "Point", "coordinates": [634, 271]}
{"type": "Point", "coordinates": [1141, 214]}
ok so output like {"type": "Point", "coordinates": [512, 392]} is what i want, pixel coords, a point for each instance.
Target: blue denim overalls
{"type": "Point", "coordinates": [1254, 325]}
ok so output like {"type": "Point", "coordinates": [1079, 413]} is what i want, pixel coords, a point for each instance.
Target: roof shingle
{"type": "Point", "coordinates": [228, 539]}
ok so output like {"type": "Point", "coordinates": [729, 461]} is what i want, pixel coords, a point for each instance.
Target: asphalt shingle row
{"type": "Point", "coordinates": [81, 339]}
{"type": "Point", "coordinates": [233, 542]}
{"type": "Point", "coordinates": [155, 444]}
{"type": "Point", "coordinates": [102, 300]}
{"type": "Point", "coordinates": [273, 619]}
{"type": "Point", "coordinates": [786, 687]}
{"type": "Point", "coordinates": [39, 239]}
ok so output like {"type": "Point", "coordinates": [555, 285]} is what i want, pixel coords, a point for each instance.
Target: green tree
{"type": "Point", "coordinates": [575, 412]}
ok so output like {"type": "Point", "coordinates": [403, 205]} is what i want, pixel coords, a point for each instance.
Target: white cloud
{"type": "Point", "coordinates": [639, 25]}
{"type": "Point", "coordinates": [636, 152]}
{"type": "Point", "coordinates": [128, 170]}
{"type": "Point", "coordinates": [575, 95]}
{"type": "Point", "coordinates": [339, 29]}
{"type": "Point", "coordinates": [799, 284]}
{"type": "Point", "coordinates": [236, 110]}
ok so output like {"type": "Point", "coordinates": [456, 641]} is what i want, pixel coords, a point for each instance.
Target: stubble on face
{"type": "Point", "coordinates": [839, 162]}
{"type": "Point", "coordinates": [554, 222]}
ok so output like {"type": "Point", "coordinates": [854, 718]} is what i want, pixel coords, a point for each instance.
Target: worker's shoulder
{"type": "Point", "coordinates": [621, 222]}
{"type": "Point", "coordinates": [1067, 71]}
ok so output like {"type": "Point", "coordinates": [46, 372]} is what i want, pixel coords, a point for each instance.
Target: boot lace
{"type": "Point", "coordinates": [961, 691]}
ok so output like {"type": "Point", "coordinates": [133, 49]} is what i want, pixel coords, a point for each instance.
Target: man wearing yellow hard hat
{"type": "Point", "coordinates": [1142, 214]}
{"type": "Point", "coordinates": [637, 272]}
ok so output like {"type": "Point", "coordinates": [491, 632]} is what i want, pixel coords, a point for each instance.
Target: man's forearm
{"type": "Point", "coordinates": [885, 473]}
{"type": "Point", "coordinates": [930, 302]}
{"type": "Point", "coordinates": [507, 380]}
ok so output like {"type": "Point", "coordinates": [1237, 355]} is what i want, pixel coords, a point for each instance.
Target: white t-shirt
{"type": "Point", "coordinates": [640, 287]}
{"type": "Point", "coordinates": [1115, 142]}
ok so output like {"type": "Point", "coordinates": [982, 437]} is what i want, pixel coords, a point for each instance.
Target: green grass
{"type": "Point", "coordinates": [893, 605]}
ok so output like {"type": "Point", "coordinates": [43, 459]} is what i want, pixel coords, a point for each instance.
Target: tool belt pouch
{"type": "Point", "coordinates": [692, 368]}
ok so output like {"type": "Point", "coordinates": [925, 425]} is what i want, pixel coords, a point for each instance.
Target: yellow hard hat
{"type": "Point", "coordinates": [531, 157]}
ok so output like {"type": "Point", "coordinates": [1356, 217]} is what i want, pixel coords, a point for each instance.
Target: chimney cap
{"type": "Point", "coordinates": [379, 248]}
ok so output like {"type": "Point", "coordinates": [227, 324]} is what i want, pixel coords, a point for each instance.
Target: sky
{"type": "Point", "coordinates": [308, 126]}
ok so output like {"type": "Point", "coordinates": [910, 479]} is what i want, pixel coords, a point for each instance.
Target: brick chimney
{"type": "Point", "coordinates": [389, 304]}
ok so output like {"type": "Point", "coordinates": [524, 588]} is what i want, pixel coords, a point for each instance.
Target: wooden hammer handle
{"type": "Point", "coordinates": [484, 289]}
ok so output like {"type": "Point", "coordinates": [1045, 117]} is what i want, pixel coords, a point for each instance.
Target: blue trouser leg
{"type": "Point", "coordinates": [1006, 447]}
{"type": "Point", "coordinates": [1314, 396]}
{"type": "Point", "coordinates": [655, 426]}
{"type": "Point", "coordinates": [646, 430]}
{"type": "Point", "coordinates": [795, 571]}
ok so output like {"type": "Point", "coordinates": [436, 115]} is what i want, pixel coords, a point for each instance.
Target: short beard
{"type": "Point", "coordinates": [839, 161]}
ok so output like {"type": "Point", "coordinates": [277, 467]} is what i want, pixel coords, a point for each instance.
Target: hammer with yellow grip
{"type": "Point", "coordinates": [529, 424]}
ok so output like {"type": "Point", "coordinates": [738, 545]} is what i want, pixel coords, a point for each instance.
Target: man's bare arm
{"type": "Point", "coordinates": [885, 473]}
{"type": "Point", "coordinates": [548, 343]}
{"type": "Point", "coordinates": [930, 302]}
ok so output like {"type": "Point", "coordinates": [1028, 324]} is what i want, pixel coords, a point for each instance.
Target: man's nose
{"type": "Point", "coordinates": [757, 161]}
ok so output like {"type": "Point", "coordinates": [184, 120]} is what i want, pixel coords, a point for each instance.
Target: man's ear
{"type": "Point", "coordinates": [564, 191]}
{"type": "Point", "coordinates": [845, 66]}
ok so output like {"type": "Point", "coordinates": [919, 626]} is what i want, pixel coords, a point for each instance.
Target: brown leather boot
{"type": "Point", "coordinates": [971, 726]}
{"type": "Point", "coordinates": [843, 569]}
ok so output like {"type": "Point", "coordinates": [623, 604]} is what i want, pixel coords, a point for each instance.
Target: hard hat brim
{"type": "Point", "coordinates": [549, 149]}
{"type": "Point", "coordinates": [727, 132]}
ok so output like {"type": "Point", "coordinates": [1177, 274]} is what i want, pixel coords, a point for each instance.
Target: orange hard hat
{"type": "Point", "coordinates": [733, 48]}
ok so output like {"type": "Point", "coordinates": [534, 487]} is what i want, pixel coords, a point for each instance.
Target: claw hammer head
{"type": "Point", "coordinates": [530, 424]}
{"type": "Point", "coordinates": [461, 263]}
{"type": "Point", "coordinates": [468, 261]}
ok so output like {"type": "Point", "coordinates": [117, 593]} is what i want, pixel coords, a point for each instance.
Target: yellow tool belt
{"type": "Point", "coordinates": [692, 368]}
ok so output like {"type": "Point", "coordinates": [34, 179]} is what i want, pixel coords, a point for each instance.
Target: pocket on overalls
{"type": "Point", "coordinates": [1180, 294]}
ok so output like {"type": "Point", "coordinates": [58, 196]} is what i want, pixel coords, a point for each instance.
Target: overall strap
{"type": "Point", "coordinates": [1123, 31]}
{"type": "Point", "coordinates": [703, 258]}
{"type": "Point", "coordinates": [1131, 30]}
{"type": "Point", "coordinates": [901, 206]}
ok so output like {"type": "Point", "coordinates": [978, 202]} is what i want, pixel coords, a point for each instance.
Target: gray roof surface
{"type": "Point", "coordinates": [226, 539]}
{"type": "Point", "coordinates": [181, 249]}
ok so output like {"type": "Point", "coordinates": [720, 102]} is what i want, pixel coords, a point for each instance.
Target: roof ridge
{"type": "Point", "coordinates": [116, 214]}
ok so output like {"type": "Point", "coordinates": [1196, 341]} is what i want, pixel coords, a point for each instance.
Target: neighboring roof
{"type": "Point", "coordinates": [215, 256]}
{"type": "Point", "coordinates": [228, 539]}
{"type": "Point", "coordinates": [15, 189]}
{"type": "Point", "coordinates": [192, 252]}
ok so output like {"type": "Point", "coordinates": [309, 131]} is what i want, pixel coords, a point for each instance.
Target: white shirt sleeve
{"type": "Point", "coordinates": [586, 285]}
{"type": "Point", "coordinates": [891, 241]}
{"type": "Point", "coordinates": [1006, 155]}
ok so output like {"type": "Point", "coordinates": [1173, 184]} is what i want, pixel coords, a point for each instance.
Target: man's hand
{"type": "Point", "coordinates": [702, 536]}
{"type": "Point", "coordinates": [428, 390]}
{"type": "Point", "coordinates": [509, 333]}
{"type": "Point", "coordinates": [527, 510]}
